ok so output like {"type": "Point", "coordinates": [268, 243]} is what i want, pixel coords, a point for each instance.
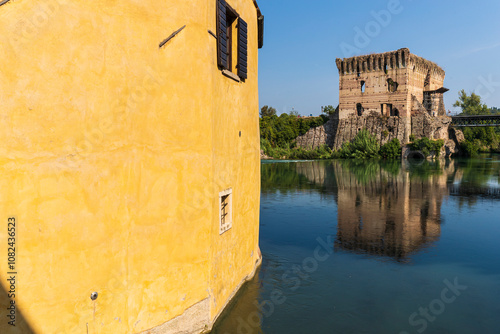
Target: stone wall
{"type": "Point", "coordinates": [315, 137]}
{"type": "Point", "coordinates": [384, 128]}
{"type": "Point", "coordinates": [423, 125]}
{"type": "Point", "coordinates": [336, 131]}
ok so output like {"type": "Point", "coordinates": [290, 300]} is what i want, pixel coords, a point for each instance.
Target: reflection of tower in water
{"type": "Point", "coordinates": [383, 209]}
{"type": "Point", "coordinates": [388, 214]}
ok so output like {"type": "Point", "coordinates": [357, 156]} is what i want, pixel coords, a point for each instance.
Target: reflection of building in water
{"type": "Point", "coordinates": [380, 212]}
{"type": "Point", "coordinates": [390, 215]}
{"type": "Point", "coordinates": [243, 314]}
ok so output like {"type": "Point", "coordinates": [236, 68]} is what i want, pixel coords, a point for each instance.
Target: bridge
{"type": "Point", "coordinates": [475, 120]}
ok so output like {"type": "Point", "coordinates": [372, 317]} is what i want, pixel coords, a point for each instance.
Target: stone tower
{"type": "Point", "coordinates": [392, 95]}
{"type": "Point", "coordinates": [395, 83]}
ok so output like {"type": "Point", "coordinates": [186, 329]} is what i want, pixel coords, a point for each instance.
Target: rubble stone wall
{"type": "Point", "coordinates": [336, 131]}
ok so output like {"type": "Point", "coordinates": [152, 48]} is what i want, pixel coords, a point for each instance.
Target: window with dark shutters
{"type": "Point", "coordinates": [222, 54]}
{"type": "Point", "coordinates": [232, 46]}
{"type": "Point", "coordinates": [242, 48]}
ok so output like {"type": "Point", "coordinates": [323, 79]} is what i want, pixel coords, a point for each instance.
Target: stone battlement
{"type": "Point", "coordinates": [401, 58]}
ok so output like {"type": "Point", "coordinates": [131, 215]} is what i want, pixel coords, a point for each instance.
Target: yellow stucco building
{"type": "Point", "coordinates": [129, 163]}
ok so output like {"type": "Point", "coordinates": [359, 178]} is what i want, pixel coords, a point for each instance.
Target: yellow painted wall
{"type": "Point", "coordinates": [113, 154]}
{"type": "Point", "coordinates": [236, 165]}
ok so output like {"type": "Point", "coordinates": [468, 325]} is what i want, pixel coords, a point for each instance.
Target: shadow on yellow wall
{"type": "Point", "coordinates": [21, 325]}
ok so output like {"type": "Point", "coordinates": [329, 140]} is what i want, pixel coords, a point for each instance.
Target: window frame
{"type": "Point", "coordinates": [226, 35]}
{"type": "Point", "coordinates": [233, 16]}
{"type": "Point", "coordinates": [225, 211]}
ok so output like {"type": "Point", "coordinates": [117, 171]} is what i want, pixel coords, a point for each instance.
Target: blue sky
{"type": "Point", "coordinates": [303, 38]}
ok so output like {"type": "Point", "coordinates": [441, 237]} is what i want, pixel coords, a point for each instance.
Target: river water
{"type": "Point", "coordinates": [374, 247]}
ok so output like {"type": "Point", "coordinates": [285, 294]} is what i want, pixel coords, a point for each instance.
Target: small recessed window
{"type": "Point", "coordinates": [386, 109]}
{"type": "Point", "coordinates": [392, 86]}
{"type": "Point", "coordinates": [427, 81]}
{"type": "Point", "coordinates": [225, 210]}
{"type": "Point", "coordinates": [363, 86]}
{"type": "Point", "coordinates": [359, 109]}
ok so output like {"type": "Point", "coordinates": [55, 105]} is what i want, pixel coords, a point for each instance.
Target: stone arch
{"type": "Point", "coordinates": [416, 155]}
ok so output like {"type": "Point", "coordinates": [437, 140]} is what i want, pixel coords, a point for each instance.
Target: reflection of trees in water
{"type": "Point", "coordinates": [425, 169]}
{"type": "Point", "coordinates": [476, 178]}
{"type": "Point", "coordinates": [282, 177]}
{"type": "Point", "coordinates": [285, 177]}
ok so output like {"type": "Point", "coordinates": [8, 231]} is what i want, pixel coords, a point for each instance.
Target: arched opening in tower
{"type": "Point", "coordinates": [359, 109]}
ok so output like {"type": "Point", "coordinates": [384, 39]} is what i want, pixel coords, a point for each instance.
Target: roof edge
{"type": "Point", "coordinates": [259, 13]}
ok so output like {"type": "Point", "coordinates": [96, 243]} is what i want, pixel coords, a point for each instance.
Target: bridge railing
{"type": "Point", "coordinates": [475, 121]}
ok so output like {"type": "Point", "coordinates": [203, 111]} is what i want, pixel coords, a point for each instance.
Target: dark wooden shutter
{"type": "Point", "coordinates": [221, 34]}
{"type": "Point", "coordinates": [242, 48]}
{"type": "Point", "coordinates": [260, 22]}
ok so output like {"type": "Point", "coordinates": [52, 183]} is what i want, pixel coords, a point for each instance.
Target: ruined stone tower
{"type": "Point", "coordinates": [395, 83]}
{"type": "Point", "coordinates": [393, 95]}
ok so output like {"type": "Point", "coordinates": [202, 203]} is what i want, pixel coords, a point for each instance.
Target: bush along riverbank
{"type": "Point", "coordinates": [363, 146]}
{"type": "Point", "coordinates": [278, 134]}
{"type": "Point", "coordinates": [427, 147]}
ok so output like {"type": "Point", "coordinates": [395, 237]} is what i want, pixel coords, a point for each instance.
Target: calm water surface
{"type": "Point", "coordinates": [369, 247]}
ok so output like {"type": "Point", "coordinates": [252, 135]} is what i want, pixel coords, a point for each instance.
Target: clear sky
{"type": "Point", "coordinates": [303, 38]}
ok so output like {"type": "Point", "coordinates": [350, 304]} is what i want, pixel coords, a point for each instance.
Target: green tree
{"type": "Point", "coordinates": [328, 110]}
{"type": "Point", "coordinates": [267, 111]}
{"type": "Point", "coordinates": [278, 134]}
{"type": "Point", "coordinates": [471, 105]}
{"type": "Point", "coordinates": [294, 112]}
{"type": "Point", "coordinates": [480, 138]}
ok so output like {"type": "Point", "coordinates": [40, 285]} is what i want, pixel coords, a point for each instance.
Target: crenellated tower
{"type": "Point", "coordinates": [395, 83]}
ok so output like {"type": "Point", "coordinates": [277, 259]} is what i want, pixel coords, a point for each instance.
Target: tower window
{"type": "Point", "coordinates": [386, 109]}
{"type": "Point", "coordinates": [392, 86]}
{"type": "Point", "coordinates": [427, 80]}
{"type": "Point", "coordinates": [359, 109]}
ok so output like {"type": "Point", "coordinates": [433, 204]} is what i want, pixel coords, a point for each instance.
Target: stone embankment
{"type": "Point", "coordinates": [336, 132]}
